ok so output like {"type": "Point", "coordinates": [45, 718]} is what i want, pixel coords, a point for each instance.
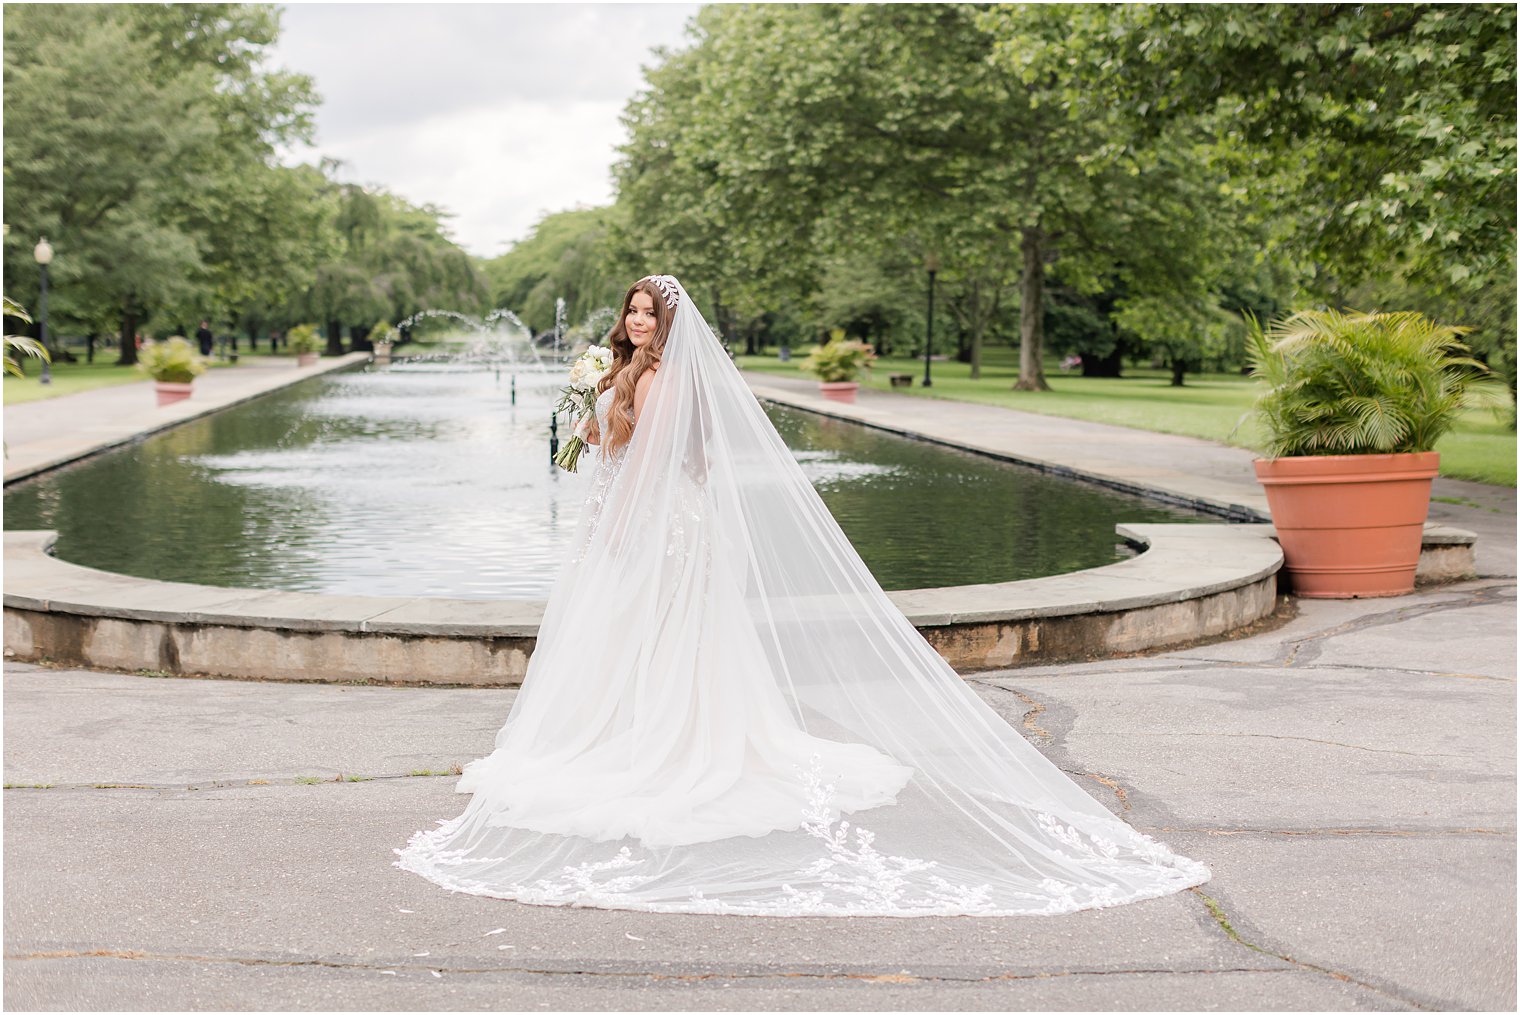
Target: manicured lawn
{"type": "Point", "coordinates": [103, 373]}
{"type": "Point", "coordinates": [71, 377]}
{"type": "Point", "coordinates": [1211, 406]}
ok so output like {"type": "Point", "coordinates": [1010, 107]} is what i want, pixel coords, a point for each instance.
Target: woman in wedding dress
{"type": "Point", "coordinates": [719, 681]}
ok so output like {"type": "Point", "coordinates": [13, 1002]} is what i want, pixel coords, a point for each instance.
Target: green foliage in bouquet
{"type": "Point", "coordinates": [173, 359]}
{"type": "Point", "coordinates": [1357, 383]}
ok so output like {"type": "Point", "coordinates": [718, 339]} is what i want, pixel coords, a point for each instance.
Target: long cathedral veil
{"type": "Point", "coordinates": [725, 713]}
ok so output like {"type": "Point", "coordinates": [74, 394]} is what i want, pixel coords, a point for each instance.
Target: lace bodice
{"type": "Point", "coordinates": [607, 467]}
{"type": "Point", "coordinates": [603, 407]}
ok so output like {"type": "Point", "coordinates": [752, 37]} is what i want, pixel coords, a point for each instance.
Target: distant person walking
{"type": "Point", "coordinates": [204, 337]}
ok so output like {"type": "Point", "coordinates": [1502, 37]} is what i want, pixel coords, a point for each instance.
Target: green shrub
{"type": "Point", "coordinates": [1358, 383]}
{"type": "Point", "coordinates": [173, 359]}
{"type": "Point", "coordinates": [382, 332]}
{"type": "Point", "coordinates": [304, 338]}
{"type": "Point", "coordinates": [840, 360]}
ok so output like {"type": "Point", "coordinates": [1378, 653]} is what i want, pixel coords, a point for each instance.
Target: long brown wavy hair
{"type": "Point", "coordinates": [629, 363]}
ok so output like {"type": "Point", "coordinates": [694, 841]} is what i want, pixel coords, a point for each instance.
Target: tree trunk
{"type": "Point", "coordinates": [358, 339]}
{"type": "Point", "coordinates": [334, 339]}
{"type": "Point", "coordinates": [1032, 315]}
{"type": "Point", "coordinates": [253, 338]}
{"type": "Point", "coordinates": [1178, 366]}
{"type": "Point", "coordinates": [89, 348]}
{"type": "Point", "coordinates": [1109, 366]}
{"type": "Point", "coordinates": [978, 328]}
{"type": "Point", "coordinates": [128, 355]}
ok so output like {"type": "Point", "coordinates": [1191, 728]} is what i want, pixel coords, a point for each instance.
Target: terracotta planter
{"type": "Point", "coordinates": [305, 359]}
{"type": "Point", "coordinates": [839, 391]}
{"type": "Point", "coordinates": [171, 391]}
{"type": "Point", "coordinates": [1350, 525]}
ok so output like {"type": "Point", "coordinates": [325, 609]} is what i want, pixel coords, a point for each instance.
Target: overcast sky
{"type": "Point", "coordinates": [499, 113]}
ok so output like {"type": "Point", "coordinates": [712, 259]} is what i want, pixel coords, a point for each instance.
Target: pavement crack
{"type": "Point", "coordinates": [298, 780]}
{"type": "Point", "coordinates": [1306, 649]}
{"type": "Point", "coordinates": [1031, 717]}
{"type": "Point", "coordinates": [1311, 740]}
{"type": "Point", "coordinates": [1400, 833]}
{"type": "Point", "coordinates": [903, 976]}
{"type": "Point", "coordinates": [1220, 917]}
{"type": "Point", "coordinates": [1119, 791]}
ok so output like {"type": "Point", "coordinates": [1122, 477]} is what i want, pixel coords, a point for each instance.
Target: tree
{"type": "Point", "coordinates": [156, 181]}
{"type": "Point", "coordinates": [789, 134]}
{"type": "Point", "coordinates": [568, 255]}
{"type": "Point", "coordinates": [1383, 134]}
{"type": "Point", "coordinates": [94, 160]}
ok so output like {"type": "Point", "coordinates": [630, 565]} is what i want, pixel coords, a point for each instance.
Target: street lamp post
{"type": "Point", "coordinates": [931, 263]}
{"type": "Point", "coordinates": [44, 255]}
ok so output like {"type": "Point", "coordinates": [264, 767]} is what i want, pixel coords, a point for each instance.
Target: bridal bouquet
{"type": "Point", "coordinates": [579, 396]}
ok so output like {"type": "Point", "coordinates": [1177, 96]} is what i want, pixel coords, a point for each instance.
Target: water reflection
{"type": "Point", "coordinates": [427, 480]}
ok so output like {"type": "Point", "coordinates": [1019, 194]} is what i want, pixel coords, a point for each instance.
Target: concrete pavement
{"type": "Point", "coordinates": [1349, 777]}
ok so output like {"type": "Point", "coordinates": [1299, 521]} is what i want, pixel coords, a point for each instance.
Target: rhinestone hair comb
{"type": "Point", "coordinates": [667, 286]}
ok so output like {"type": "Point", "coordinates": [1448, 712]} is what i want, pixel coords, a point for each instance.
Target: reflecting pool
{"type": "Point", "coordinates": [424, 478]}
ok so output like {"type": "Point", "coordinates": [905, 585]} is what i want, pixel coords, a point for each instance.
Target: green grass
{"type": "Point", "coordinates": [1210, 406]}
{"type": "Point", "coordinates": [69, 378]}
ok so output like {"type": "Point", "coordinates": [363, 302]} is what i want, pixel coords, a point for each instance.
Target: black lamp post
{"type": "Point", "coordinates": [44, 255]}
{"type": "Point", "coordinates": [932, 264]}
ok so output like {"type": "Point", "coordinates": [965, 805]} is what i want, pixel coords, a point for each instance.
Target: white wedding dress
{"type": "Point", "coordinates": [718, 681]}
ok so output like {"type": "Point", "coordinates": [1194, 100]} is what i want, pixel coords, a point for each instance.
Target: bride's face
{"type": "Point", "coordinates": [640, 322]}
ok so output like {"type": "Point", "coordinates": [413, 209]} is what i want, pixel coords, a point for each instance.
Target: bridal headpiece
{"type": "Point", "coordinates": [668, 288]}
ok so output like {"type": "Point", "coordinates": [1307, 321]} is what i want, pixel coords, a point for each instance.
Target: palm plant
{"type": "Point", "coordinates": [20, 343]}
{"type": "Point", "coordinates": [1358, 383]}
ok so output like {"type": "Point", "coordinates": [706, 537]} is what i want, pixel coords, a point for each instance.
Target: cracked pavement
{"type": "Point", "coordinates": [1348, 775]}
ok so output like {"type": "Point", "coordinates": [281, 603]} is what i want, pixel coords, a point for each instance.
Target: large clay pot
{"type": "Point", "coordinates": [305, 359]}
{"type": "Point", "coordinates": [1350, 525]}
{"type": "Point", "coordinates": [171, 391]}
{"type": "Point", "coordinates": [839, 391]}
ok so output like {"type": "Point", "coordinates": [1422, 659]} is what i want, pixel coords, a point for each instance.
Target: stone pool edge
{"type": "Point", "coordinates": [1193, 581]}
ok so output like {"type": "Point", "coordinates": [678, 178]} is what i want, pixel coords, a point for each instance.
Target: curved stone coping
{"type": "Point", "coordinates": [1193, 581]}
{"type": "Point", "coordinates": [1182, 562]}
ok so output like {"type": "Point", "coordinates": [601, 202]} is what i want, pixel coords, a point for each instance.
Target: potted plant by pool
{"type": "Point", "coordinates": [837, 364]}
{"type": "Point", "coordinates": [382, 336]}
{"type": "Point", "coordinates": [173, 364]}
{"type": "Point", "coordinates": [1354, 405]}
{"type": "Point", "coordinates": [304, 341]}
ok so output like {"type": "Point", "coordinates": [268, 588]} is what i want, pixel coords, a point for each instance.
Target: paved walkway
{"type": "Point", "coordinates": [1348, 776]}
{"type": "Point", "coordinates": [50, 431]}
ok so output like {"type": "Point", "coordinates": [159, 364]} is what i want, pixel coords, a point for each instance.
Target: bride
{"type": "Point", "coordinates": [718, 682]}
